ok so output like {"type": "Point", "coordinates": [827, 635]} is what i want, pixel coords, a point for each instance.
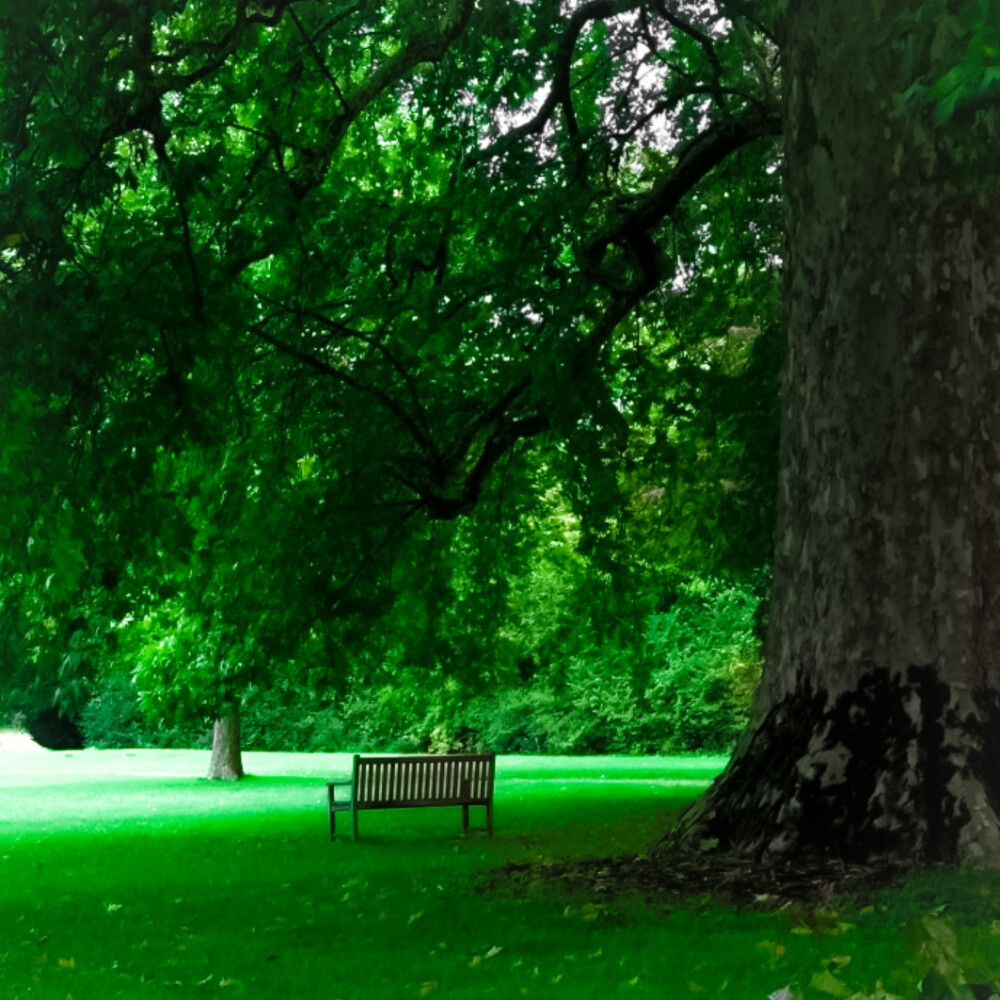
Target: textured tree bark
{"type": "Point", "coordinates": [227, 762]}
{"type": "Point", "coordinates": [876, 732]}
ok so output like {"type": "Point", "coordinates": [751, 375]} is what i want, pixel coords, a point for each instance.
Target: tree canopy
{"type": "Point", "coordinates": [285, 285]}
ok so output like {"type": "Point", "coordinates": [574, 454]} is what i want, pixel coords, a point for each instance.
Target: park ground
{"type": "Point", "coordinates": [125, 874]}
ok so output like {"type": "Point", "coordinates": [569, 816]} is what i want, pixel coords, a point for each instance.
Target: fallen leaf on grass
{"type": "Point", "coordinates": [827, 982]}
{"type": "Point", "coordinates": [934, 986]}
{"type": "Point", "coordinates": [785, 993]}
{"type": "Point", "coordinates": [429, 987]}
{"type": "Point", "coordinates": [588, 911]}
{"type": "Point", "coordinates": [773, 949]}
{"type": "Point", "coordinates": [840, 927]}
{"type": "Point", "coordinates": [67, 963]}
{"type": "Point", "coordinates": [941, 935]}
{"type": "Point", "coordinates": [940, 949]}
{"type": "Point", "coordinates": [879, 994]}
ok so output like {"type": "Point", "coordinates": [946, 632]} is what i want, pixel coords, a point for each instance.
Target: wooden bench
{"type": "Point", "coordinates": [385, 782]}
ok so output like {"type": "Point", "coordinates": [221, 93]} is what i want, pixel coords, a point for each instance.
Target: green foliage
{"type": "Point", "coordinates": [957, 90]}
{"type": "Point", "coordinates": [278, 719]}
{"type": "Point", "coordinates": [545, 681]}
{"type": "Point", "coordinates": [707, 664]}
{"type": "Point", "coordinates": [113, 719]}
{"type": "Point", "coordinates": [515, 721]}
{"type": "Point", "coordinates": [15, 668]}
{"type": "Point", "coordinates": [965, 52]}
{"type": "Point", "coordinates": [338, 348]}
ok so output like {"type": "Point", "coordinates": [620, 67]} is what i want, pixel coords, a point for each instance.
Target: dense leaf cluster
{"type": "Point", "coordinates": [321, 320]}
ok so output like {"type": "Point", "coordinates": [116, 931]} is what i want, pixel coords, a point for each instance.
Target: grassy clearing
{"type": "Point", "coordinates": [124, 875]}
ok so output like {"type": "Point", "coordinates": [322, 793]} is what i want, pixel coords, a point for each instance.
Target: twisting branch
{"type": "Point", "coordinates": [420, 48]}
{"type": "Point", "coordinates": [338, 375]}
{"type": "Point", "coordinates": [632, 227]}
{"type": "Point", "coordinates": [562, 63]}
{"type": "Point", "coordinates": [705, 41]}
{"type": "Point", "coordinates": [394, 363]}
{"type": "Point", "coordinates": [318, 58]}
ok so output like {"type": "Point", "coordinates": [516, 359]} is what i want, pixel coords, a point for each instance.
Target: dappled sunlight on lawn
{"type": "Point", "coordinates": [106, 789]}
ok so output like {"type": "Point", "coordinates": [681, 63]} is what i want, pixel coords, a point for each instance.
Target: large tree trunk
{"type": "Point", "coordinates": [227, 762]}
{"type": "Point", "coordinates": [877, 726]}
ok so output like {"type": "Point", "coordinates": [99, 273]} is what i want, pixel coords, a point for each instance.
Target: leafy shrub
{"type": "Point", "coordinates": [601, 712]}
{"type": "Point", "coordinates": [329, 733]}
{"type": "Point", "coordinates": [277, 719]}
{"type": "Point", "coordinates": [684, 685]}
{"type": "Point", "coordinates": [514, 721]}
{"type": "Point", "coordinates": [112, 719]}
{"type": "Point", "coordinates": [707, 665]}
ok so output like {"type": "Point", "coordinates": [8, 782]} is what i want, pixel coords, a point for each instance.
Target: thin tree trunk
{"type": "Point", "coordinates": [877, 726]}
{"type": "Point", "coordinates": [227, 762]}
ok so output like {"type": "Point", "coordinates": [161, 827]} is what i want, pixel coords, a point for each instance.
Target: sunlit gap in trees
{"type": "Point", "coordinates": [642, 68]}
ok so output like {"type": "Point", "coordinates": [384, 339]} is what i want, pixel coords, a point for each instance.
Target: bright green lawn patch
{"type": "Point", "coordinates": [124, 875]}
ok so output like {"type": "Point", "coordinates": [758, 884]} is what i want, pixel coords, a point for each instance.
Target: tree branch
{"type": "Point", "coordinates": [317, 57]}
{"type": "Point", "coordinates": [562, 63]}
{"type": "Point", "coordinates": [420, 48]}
{"type": "Point", "coordinates": [324, 368]}
{"type": "Point", "coordinates": [632, 228]}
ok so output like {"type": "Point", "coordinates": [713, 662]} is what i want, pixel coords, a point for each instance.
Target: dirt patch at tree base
{"type": "Point", "coordinates": [693, 879]}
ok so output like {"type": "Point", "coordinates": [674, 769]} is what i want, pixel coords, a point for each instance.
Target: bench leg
{"type": "Point", "coordinates": [465, 821]}
{"type": "Point", "coordinates": [354, 822]}
{"type": "Point", "coordinates": [489, 819]}
{"type": "Point", "coordinates": [333, 815]}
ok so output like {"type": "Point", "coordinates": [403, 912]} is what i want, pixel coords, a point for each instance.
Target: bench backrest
{"type": "Point", "coordinates": [465, 779]}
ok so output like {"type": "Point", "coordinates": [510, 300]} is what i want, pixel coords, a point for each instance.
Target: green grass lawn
{"type": "Point", "coordinates": [123, 874]}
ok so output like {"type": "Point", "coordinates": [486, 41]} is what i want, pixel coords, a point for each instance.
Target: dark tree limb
{"type": "Point", "coordinates": [633, 226]}
{"type": "Point", "coordinates": [341, 376]}
{"type": "Point", "coordinates": [562, 62]}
